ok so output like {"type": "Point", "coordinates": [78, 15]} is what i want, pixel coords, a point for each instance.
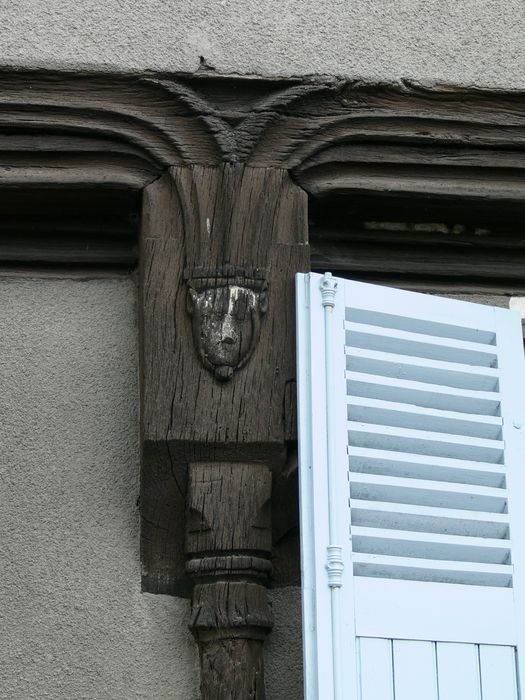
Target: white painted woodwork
{"type": "Point", "coordinates": [422, 393]}
{"type": "Point", "coordinates": [424, 442]}
{"type": "Point", "coordinates": [400, 516]}
{"type": "Point", "coordinates": [375, 669]}
{"type": "Point", "coordinates": [498, 672]}
{"type": "Point", "coordinates": [518, 304]}
{"type": "Point", "coordinates": [418, 323]}
{"type": "Point", "coordinates": [314, 516]}
{"type": "Point", "coordinates": [452, 374]}
{"type": "Point", "coordinates": [372, 461]}
{"type": "Point", "coordinates": [375, 487]}
{"type": "Point", "coordinates": [458, 671]}
{"type": "Point", "coordinates": [414, 670]}
{"type": "Point", "coordinates": [385, 339]}
{"type": "Point", "coordinates": [404, 609]}
{"type": "Point", "coordinates": [417, 569]}
{"type": "Point", "coordinates": [402, 415]}
{"type": "Point", "coordinates": [411, 670]}
{"type": "Point", "coordinates": [426, 454]}
{"type": "Point", "coordinates": [420, 544]}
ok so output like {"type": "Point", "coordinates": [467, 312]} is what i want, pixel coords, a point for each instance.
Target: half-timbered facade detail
{"type": "Point", "coordinates": [222, 189]}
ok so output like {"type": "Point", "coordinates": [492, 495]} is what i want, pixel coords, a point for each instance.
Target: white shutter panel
{"type": "Point", "coordinates": [412, 459]}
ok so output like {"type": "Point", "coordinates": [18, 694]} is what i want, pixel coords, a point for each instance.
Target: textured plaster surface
{"type": "Point", "coordinates": [73, 622]}
{"type": "Point", "coordinates": [284, 651]}
{"type": "Point", "coordinates": [501, 300]}
{"type": "Point", "coordinates": [472, 42]}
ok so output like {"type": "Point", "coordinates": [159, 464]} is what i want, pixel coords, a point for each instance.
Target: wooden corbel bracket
{"type": "Point", "coordinates": [218, 262]}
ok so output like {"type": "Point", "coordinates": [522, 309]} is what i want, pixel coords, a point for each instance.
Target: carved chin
{"type": "Point", "coordinates": [230, 355]}
{"type": "Point", "coordinates": [223, 372]}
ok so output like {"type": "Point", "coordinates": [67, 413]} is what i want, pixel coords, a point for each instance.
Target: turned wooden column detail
{"type": "Point", "coordinates": [229, 543]}
{"type": "Point", "coordinates": [220, 248]}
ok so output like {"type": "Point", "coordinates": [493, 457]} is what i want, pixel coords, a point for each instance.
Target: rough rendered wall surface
{"type": "Point", "coordinates": [473, 42]}
{"type": "Point", "coordinates": [284, 647]}
{"type": "Point", "coordinates": [73, 622]}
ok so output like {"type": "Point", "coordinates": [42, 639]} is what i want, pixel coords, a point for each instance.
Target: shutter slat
{"type": "Point", "coordinates": [359, 335]}
{"type": "Point", "coordinates": [428, 493]}
{"type": "Point", "coordinates": [469, 573]}
{"type": "Point", "coordinates": [386, 364]}
{"type": "Point", "coordinates": [424, 545]}
{"type": "Point", "coordinates": [379, 412]}
{"type": "Point", "coordinates": [402, 516]}
{"type": "Point", "coordinates": [373, 461]}
{"type": "Point", "coordinates": [420, 325]}
{"type": "Point", "coordinates": [424, 442]}
{"type": "Point", "coordinates": [422, 394]}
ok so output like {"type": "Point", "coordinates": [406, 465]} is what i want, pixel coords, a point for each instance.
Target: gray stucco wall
{"type": "Point", "coordinates": [473, 42]}
{"type": "Point", "coordinates": [284, 650]}
{"type": "Point", "coordinates": [73, 621]}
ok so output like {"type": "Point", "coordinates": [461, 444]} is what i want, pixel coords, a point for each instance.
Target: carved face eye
{"type": "Point", "coordinates": [240, 308]}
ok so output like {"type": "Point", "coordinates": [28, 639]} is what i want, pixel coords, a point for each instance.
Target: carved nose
{"type": "Point", "coordinates": [228, 339]}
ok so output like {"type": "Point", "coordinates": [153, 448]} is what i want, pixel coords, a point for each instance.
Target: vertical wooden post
{"type": "Point", "coordinates": [229, 544]}
{"type": "Point", "coordinates": [220, 248]}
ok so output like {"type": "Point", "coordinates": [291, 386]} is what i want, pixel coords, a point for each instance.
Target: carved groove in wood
{"type": "Point", "coordinates": [336, 138]}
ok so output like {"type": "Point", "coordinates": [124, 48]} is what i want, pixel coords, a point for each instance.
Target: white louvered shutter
{"type": "Point", "coordinates": [412, 463]}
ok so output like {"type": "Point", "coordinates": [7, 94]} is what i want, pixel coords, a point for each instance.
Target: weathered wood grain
{"type": "Point", "coordinates": [256, 218]}
{"type": "Point", "coordinates": [420, 261]}
{"type": "Point", "coordinates": [333, 136]}
{"type": "Point", "coordinates": [200, 224]}
{"type": "Point", "coordinates": [228, 516]}
{"type": "Point", "coordinates": [203, 217]}
{"type": "Point", "coordinates": [45, 225]}
{"type": "Point", "coordinates": [91, 248]}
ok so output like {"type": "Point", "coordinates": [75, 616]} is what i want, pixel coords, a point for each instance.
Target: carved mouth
{"type": "Point", "coordinates": [224, 355]}
{"type": "Point", "coordinates": [223, 372]}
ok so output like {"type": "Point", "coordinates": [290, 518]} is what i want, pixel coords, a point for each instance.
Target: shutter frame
{"type": "Point", "coordinates": [434, 316]}
{"type": "Point", "coordinates": [314, 487]}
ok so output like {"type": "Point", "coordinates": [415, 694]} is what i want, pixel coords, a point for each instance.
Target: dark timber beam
{"type": "Point", "coordinates": [220, 247]}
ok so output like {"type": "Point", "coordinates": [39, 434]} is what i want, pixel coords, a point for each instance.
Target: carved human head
{"type": "Point", "coordinates": [226, 315]}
